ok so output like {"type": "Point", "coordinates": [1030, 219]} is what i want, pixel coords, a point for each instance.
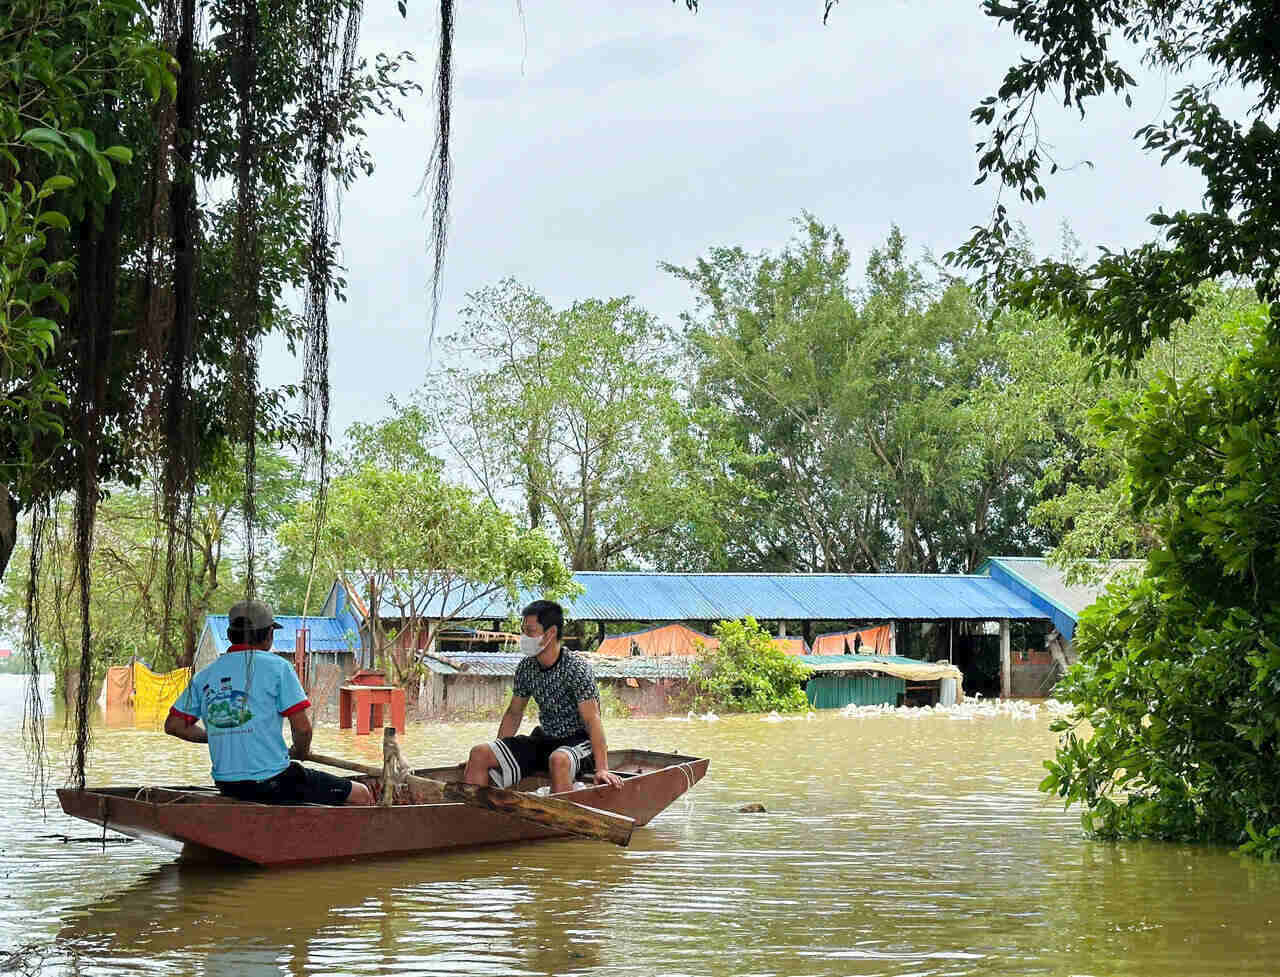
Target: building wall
{"type": "Point", "coordinates": [327, 679]}
{"type": "Point", "coordinates": [462, 696]}
{"type": "Point", "coordinates": [1032, 679]}
{"type": "Point", "coordinates": [647, 697]}
{"type": "Point", "coordinates": [486, 696]}
{"type": "Point", "coordinates": [835, 691]}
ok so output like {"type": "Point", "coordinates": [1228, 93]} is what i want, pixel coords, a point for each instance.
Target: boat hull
{"type": "Point", "coordinates": [200, 823]}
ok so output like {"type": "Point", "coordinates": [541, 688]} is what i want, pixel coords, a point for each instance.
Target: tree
{"type": "Point", "coordinates": [872, 424]}
{"type": "Point", "coordinates": [747, 673]}
{"type": "Point", "coordinates": [570, 415]}
{"type": "Point", "coordinates": [154, 353]}
{"type": "Point", "coordinates": [1085, 506]}
{"type": "Point", "coordinates": [1177, 674]}
{"type": "Point", "coordinates": [433, 550]}
{"type": "Point", "coordinates": [65, 59]}
{"type": "Point", "coordinates": [128, 612]}
{"type": "Point", "coordinates": [1118, 305]}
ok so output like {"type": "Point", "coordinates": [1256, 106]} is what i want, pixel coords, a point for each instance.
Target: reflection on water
{"type": "Point", "coordinates": [889, 846]}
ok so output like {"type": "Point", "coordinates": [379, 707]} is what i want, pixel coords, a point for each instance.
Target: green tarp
{"type": "Point", "coordinates": [834, 691]}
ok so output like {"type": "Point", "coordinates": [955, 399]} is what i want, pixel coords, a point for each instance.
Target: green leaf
{"type": "Point", "coordinates": [54, 219]}
{"type": "Point", "coordinates": [85, 140]}
{"type": "Point", "coordinates": [104, 170]}
{"type": "Point", "coordinates": [59, 182]}
{"type": "Point", "coordinates": [40, 136]}
{"type": "Point", "coordinates": [121, 154]}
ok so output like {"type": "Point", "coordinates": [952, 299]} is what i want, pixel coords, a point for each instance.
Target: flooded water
{"type": "Point", "coordinates": [889, 846]}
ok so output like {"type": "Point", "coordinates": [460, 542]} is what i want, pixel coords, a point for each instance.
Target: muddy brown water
{"type": "Point", "coordinates": [889, 846]}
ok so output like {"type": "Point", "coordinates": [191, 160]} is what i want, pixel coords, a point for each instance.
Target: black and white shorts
{"type": "Point", "coordinates": [525, 756]}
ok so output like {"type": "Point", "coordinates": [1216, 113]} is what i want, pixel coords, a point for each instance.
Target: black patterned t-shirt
{"type": "Point", "coordinates": [558, 691]}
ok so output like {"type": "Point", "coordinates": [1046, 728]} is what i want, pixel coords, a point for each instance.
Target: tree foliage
{"type": "Point", "coordinates": [853, 429]}
{"type": "Point", "coordinates": [1116, 306]}
{"type": "Point", "coordinates": [747, 673]}
{"type": "Point", "coordinates": [128, 615]}
{"type": "Point", "coordinates": [569, 415]}
{"type": "Point", "coordinates": [1085, 504]}
{"type": "Point", "coordinates": [407, 540]}
{"type": "Point", "coordinates": [1177, 675]}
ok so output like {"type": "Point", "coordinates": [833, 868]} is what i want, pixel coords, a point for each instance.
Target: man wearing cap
{"type": "Point", "coordinates": [241, 697]}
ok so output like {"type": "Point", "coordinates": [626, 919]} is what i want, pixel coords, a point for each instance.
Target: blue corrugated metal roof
{"type": "Point", "coordinates": [627, 596]}
{"type": "Point", "coordinates": [795, 597]}
{"type": "Point", "coordinates": [464, 600]}
{"type": "Point", "coordinates": [1046, 587]}
{"type": "Point", "coordinates": [327, 633]}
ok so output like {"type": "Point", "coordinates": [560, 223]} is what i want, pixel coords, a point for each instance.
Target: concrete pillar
{"type": "Point", "coordinates": [1006, 664]}
{"type": "Point", "coordinates": [782, 629]}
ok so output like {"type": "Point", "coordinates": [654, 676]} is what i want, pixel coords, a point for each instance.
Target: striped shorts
{"type": "Point", "coordinates": [526, 756]}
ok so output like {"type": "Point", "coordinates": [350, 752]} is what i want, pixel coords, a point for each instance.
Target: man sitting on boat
{"type": "Point", "coordinates": [569, 743]}
{"type": "Point", "coordinates": [241, 697]}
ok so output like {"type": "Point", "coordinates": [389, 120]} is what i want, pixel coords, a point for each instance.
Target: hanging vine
{"type": "Point", "coordinates": [247, 262]}
{"type": "Point", "coordinates": [158, 359]}
{"type": "Point", "coordinates": [439, 176]}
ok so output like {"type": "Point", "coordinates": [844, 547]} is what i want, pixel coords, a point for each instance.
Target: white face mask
{"type": "Point", "coordinates": [530, 646]}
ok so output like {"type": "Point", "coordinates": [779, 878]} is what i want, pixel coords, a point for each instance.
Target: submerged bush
{"type": "Point", "coordinates": [747, 673]}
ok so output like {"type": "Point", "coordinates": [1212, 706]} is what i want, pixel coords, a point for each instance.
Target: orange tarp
{"type": "Point", "coordinates": [875, 641]}
{"type": "Point", "coordinates": [670, 639]}
{"type": "Point", "coordinates": [791, 646]}
{"type": "Point", "coordinates": [677, 639]}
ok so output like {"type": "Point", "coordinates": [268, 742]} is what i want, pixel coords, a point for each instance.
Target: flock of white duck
{"type": "Point", "coordinates": [973, 707]}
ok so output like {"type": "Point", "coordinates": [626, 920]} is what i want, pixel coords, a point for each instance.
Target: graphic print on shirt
{"type": "Point", "coordinates": [226, 707]}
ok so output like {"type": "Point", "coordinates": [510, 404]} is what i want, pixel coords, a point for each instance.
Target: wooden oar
{"type": "Point", "coordinates": [551, 812]}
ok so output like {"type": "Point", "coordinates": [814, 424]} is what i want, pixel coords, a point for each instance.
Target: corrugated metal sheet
{"type": "Point", "coordinates": [627, 596]}
{"type": "Point", "coordinates": [328, 634]}
{"type": "Point", "coordinates": [819, 662]}
{"type": "Point", "coordinates": [1045, 586]}
{"type": "Point", "coordinates": [837, 691]}
{"type": "Point", "coordinates": [504, 666]}
{"type": "Point", "coordinates": [795, 597]}
{"type": "Point", "coordinates": [469, 601]}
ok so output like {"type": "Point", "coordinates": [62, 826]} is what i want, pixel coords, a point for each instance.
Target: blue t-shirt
{"type": "Point", "coordinates": [241, 698]}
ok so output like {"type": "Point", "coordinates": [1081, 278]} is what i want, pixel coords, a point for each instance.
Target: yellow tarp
{"type": "Point", "coordinates": [137, 694]}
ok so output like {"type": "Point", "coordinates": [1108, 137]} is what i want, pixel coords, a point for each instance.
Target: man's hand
{"type": "Point", "coordinates": [300, 751]}
{"type": "Point", "coordinates": [607, 777]}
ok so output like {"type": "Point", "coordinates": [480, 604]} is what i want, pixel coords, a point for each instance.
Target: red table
{"type": "Point", "coordinates": [369, 699]}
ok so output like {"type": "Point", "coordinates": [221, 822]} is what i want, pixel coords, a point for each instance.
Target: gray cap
{"type": "Point", "coordinates": [252, 615]}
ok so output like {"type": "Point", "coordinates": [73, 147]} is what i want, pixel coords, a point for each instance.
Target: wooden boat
{"type": "Point", "coordinates": [199, 822]}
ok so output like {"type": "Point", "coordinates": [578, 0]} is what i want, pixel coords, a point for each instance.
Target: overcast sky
{"type": "Point", "coordinates": [594, 140]}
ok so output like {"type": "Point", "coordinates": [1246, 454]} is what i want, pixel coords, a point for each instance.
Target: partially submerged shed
{"type": "Point", "coordinates": [873, 680]}
{"type": "Point", "coordinates": [476, 685]}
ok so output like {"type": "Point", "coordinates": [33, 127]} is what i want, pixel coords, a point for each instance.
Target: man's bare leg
{"type": "Point", "coordinates": [479, 763]}
{"type": "Point", "coordinates": [560, 765]}
{"type": "Point", "coordinates": [360, 794]}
